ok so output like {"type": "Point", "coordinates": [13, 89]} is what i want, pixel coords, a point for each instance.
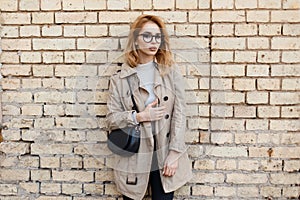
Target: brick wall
{"type": "Point", "coordinates": [241, 63]}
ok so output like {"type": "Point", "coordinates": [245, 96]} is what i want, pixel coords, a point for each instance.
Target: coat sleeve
{"type": "Point", "coordinates": [178, 123]}
{"type": "Point", "coordinates": [117, 116]}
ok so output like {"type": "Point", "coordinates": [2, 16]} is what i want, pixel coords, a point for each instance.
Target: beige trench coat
{"type": "Point", "coordinates": [132, 173]}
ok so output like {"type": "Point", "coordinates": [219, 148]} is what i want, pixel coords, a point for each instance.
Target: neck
{"type": "Point", "coordinates": [145, 58]}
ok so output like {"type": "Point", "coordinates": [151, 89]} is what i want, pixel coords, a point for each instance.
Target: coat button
{"type": "Point", "coordinates": [166, 98]}
{"type": "Point", "coordinates": [168, 134]}
{"type": "Point", "coordinates": [167, 116]}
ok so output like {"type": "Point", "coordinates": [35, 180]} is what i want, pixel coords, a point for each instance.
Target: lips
{"type": "Point", "coordinates": [152, 48]}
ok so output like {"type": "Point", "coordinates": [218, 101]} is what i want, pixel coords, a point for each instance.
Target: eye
{"type": "Point", "coordinates": [147, 35]}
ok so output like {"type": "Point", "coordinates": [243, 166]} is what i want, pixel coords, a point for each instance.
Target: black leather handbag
{"type": "Point", "coordinates": [125, 141]}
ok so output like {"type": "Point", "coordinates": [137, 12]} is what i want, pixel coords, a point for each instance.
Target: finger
{"type": "Point", "coordinates": [154, 103]}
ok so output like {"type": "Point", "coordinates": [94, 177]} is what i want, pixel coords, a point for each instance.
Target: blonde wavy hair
{"type": "Point", "coordinates": [163, 55]}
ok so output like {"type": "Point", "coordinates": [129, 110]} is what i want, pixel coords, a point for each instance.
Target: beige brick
{"type": "Point", "coordinates": [32, 110]}
{"type": "Point", "coordinates": [228, 16]}
{"type": "Point", "coordinates": [9, 5]}
{"type": "Point", "coordinates": [51, 148]}
{"type": "Point", "coordinates": [204, 164]}
{"type": "Point", "coordinates": [246, 29]}
{"type": "Point", "coordinates": [9, 31]}
{"type": "Point", "coordinates": [271, 165]}
{"type": "Point", "coordinates": [53, 44]}
{"type": "Point", "coordinates": [190, 44]}
{"type": "Point", "coordinates": [50, 162]}
{"type": "Point", "coordinates": [289, 125]}
{"type": "Point", "coordinates": [75, 136]}
{"type": "Point", "coordinates": [15, 18]}
{"type": "Point", "coordinates": [96, 57]}
{"type": "Point", "coordinates": [226, 165]}
{"type": "Point", "coordinates": [285, 16]}
{"type": "Point", "coordinates": [228, 43]}
{"type": "Point", "coordinates": [53, 83]}
{"type": "Point", "coordinates": [268, 137]}
{"type": "Point", "coordinates": [18, 97]}
{"type": "Point", "coordinates": [104, 175]}
{"type": "Point", "coordinates": [228, 70]}
{"type": "Point", "coordinates": [269, 4]}
{"type": "Point", "coordinates": [196, 97]}
{"type": "Point", "coordinates": [221, 138]}
{"type": "Point", "coordinates": [71, 162]}
{"type": "Point", "coordinates": [204, 83]}
{"type": "Point", "coordinates": [28, 31]}
{"type": "Point", "coordinates": [245, 56]}
{"type": "Point", "coordinates": [279, 152]}
{"type": "Point", "coordinates": [241, 4]}
{"type": "Point", "coordinates": [245, 138]}
{"type": "Point", "coordinates": [46, 123]}
{"type": "Point", "coordinates": [31, 83]}
{"type": "Point", "coordinates": [285, 70]}
{"type": "Point", "coordinates": [222, 56]}
{"type": "Point", "coordinates": [222, 4]}
{"type": "Point", "coordinates": [291, 29]}
{"type": "Point", "coordinates": [43, 18]}
{"type": "Point", "coordinates": [244, 111]}
{"type": "Point", "coordinates": [70, 176]}
{"type": "Point", "coordinates": [238, 178]}
{"type": "Point", "coordinates": [31, 57]}
{"type": "Point", "coordinates": [76, 83]}
{"type": "Point", "coordinates": [75, 110]}
{"type": "Point", "coordinates": [269, 29]}
{"type": "Point", "coordinates": [291, 165]}
{"type": "Point", "coordinates": [290, 111]}
{"type": "Point", "coordinates": [243, 84]}
{"type": "Point", "coordinates": [10, 44]}
{"type": "Point", "coordinates": [19, 123]}
{"type": "Point", "coordinates": [269, 192]}
{"type": "Point", "coordinates": [197, 123]}
{"type": "Point", "coordinates": [41, 197]}
{"type": "Point", "coordinates": [268, 111]}
{"type": "Point", "coordinates": [10, 84]}
{"type": "Point", "coordinates": [225, 191]}
{"type": "Point", "coordinates": [52, 31]}
{"type": "Point", "coordinates": [202, 190]}
{"type": "Point", "coordinates": [10, 110]}
{"type": "Point", "coordinates": [258, 43]}
{"type": "Point", "coordinates": [75, 17]}
{"type": "Point", "coordinates": [71, 188]}
{"type": "Point", "coordinates": [291, 4]}
{"type": "Point", "coordinates": [167, 4]}
{"type": "Point", "coordinates": [75, 70]}
{"type": "Point", "coordinates": [97, 44]}
{"type": "Point", "coordinates": [94, 5]}
{"type": "Point", "coordinates": [8, 189]}
{"type": "Point", "coordinates": [50, 5]}
{"type": "Point", "coordinates": [247, 191]}
{"type": "Point", "coordinates": [221, 111]}
{"type": "Point", "coordinates": [141, 5]}
{"type": "Point", "coordinates": [256, 124]}
{"type": "Point", "coordinates": [118, 5]}
{"type": "Point", "coordinates": [189, 4]}
{"type": "Point", "coordinates": [268, 56]}
{"type": "Point", "coordinates": [257, 97]}
{"type": "Point", "coordinates": [291, 84]}
{"type": "Point", "coordinates": [93, 163]}
{"type": "Point", "coordinates": [74, 57]}
{"type": "Point", "coordinates": [117, 17]}
{"type": "Point", "coordinates": [97, 30]}
{"type": "Point", "coordinates": [227, 152]}
{"type": "Point", "coordinates": [52, 57]}
{"type": "Point", "coordinates": [74, 31]}
{"type": "Point", "coordinates": [14, 175]}
{"type": "Point", "coordinates": [17, 148]}
{"type": "Point", "coordinates": [42, 70]}
{"type": "Point", "coordinates": [268, 84]}
{"type": "Point", "coordinates": [282, 98]}
{"type": "Point", "coordinates": [54, 110]}
{"type": "Point", "coordinates": [291, 192]}
{"type": "Point", "coordinates": [222, 29]}
{"type": "Point", "coordinates": [285, 178]}
{"type": "Point", "coordinates": [183, 30]}
{"type": "Point", "coordinates": [291, 57]}
{"type": "Point", "coordinates": [68, 122]}
{"type": "Point", "coordinates": [29, 5]}
{"type": "Point", "coordinates": [199, 16]}
{"type": "Point", "coordinates": [227, 97]}
{"type": "Point", "coordinates": [9, 57]}
{"type": "Point", "coordinates": [257, 16]}
{"type": "Point", "coordinates": [30, 187]}
{"type": "Point", "coordinates": [205, 177]}
{"type": "Point", "coordinates": [248, 165]}
{"type": "Point", "coordinates": [50, 188]}
{"type": "Point", "coordinates": [73, 5]}
{"type": "Point", "coordinates": [289, 43]}
{"type": "Point", "coordinates": [40, 175]}
{"type": "Point", "coordinates": [258, 70]}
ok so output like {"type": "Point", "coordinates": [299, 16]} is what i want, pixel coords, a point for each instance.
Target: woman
{"type": "Point", "coordinates": [162, 160]}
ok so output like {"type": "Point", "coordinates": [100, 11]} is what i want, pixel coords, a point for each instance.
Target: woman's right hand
{"type": "Point", "coordinates": [151, 113]}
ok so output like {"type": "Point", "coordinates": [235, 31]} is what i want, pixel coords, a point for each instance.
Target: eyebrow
{"type": "Point", "coordinates": [151, 33]}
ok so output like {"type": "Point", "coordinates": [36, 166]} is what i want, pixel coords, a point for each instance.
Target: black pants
{"type": "Point", "coordinates": [157, 190]}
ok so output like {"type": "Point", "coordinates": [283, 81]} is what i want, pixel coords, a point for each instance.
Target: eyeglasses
{"type": "Point", "coordinates": [148, 37]}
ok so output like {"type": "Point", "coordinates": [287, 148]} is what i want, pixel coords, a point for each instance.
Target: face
{"type": "Point", "coordinates": [148, 40]}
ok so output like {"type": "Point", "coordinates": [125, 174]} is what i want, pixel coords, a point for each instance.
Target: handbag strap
{"type": "Point", "coordinates": [132, 98]}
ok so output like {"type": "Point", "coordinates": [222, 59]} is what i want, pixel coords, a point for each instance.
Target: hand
{"type": "Point", "coordinates": [151, 113]}
{"type": "Point", "coordinates": [171, 163]}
